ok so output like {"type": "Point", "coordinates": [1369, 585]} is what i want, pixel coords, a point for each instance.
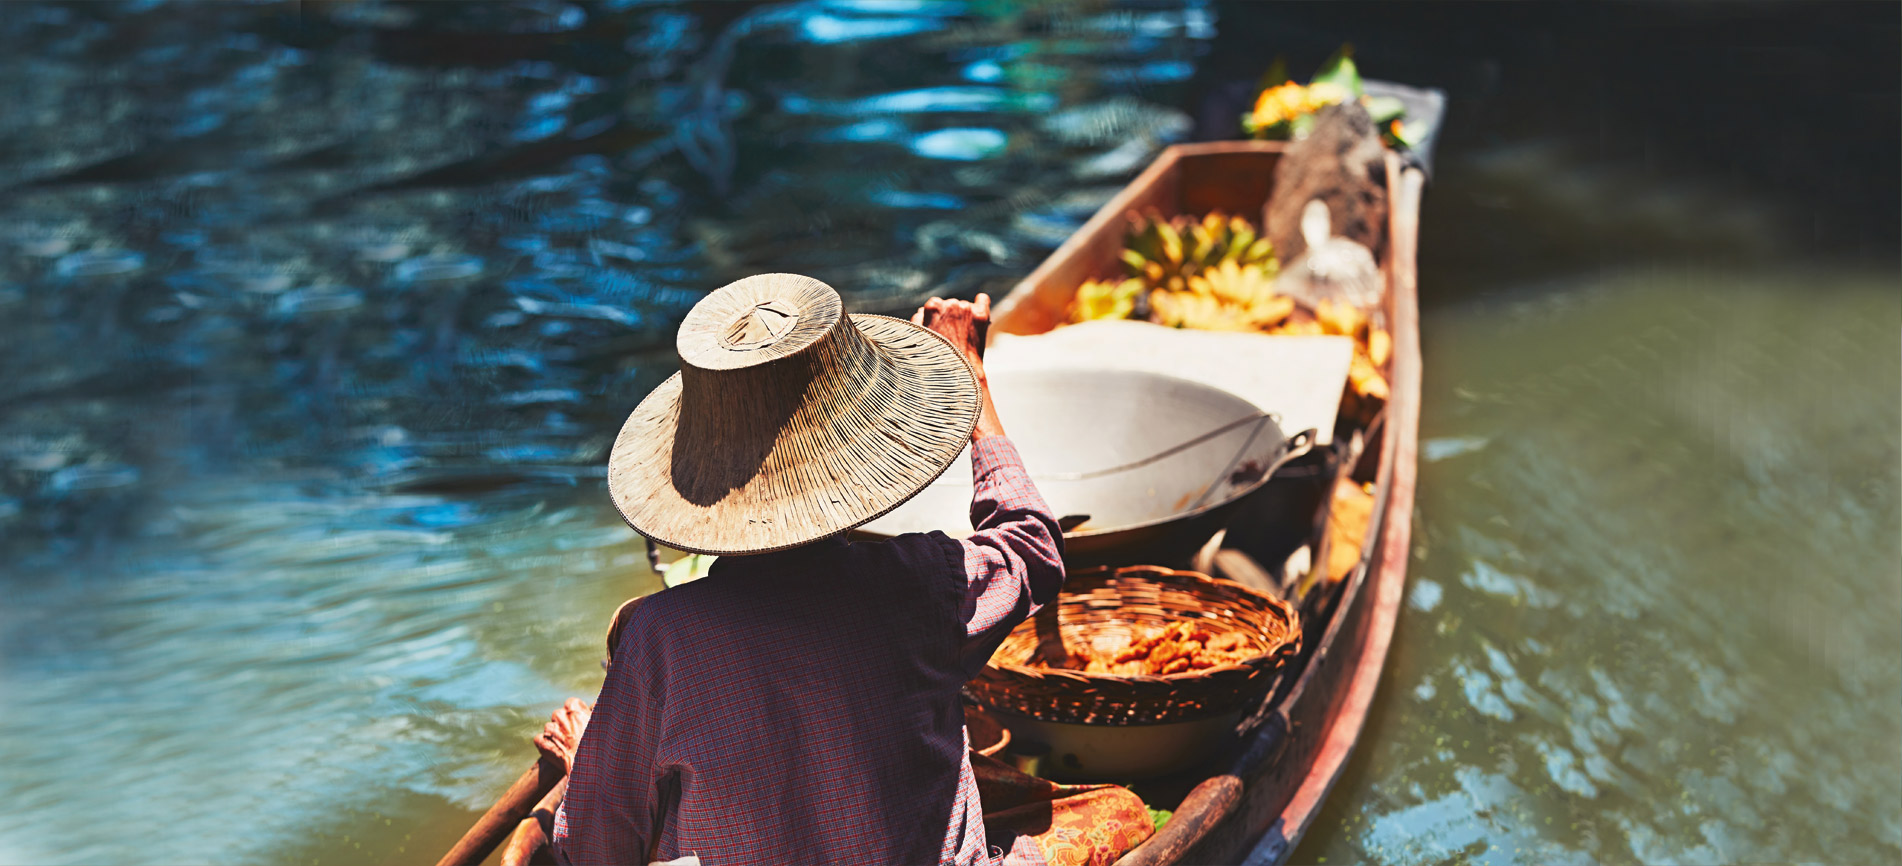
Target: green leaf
{"type": "Point", "coordinates": [1411, 134]}
{"type": "Point", "coordinates": [1340, 70]}
{"type": "Point", "coordinates": [1160, 816]}
{"type": "Point", "coordinates": [1299, 127]}
{"type": "Point", "coordinates": [1384, 108]}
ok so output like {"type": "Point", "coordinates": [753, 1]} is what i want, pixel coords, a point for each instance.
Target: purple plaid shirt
{"type": "Point", "coordinates": [802, 707]}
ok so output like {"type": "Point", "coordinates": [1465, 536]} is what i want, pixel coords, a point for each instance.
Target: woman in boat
{"type": "Point", "coordinates": [800, 704]}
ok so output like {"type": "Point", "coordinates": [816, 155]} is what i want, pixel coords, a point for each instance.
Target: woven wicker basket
{"type": "Point", "coordinates": [1101, 601]}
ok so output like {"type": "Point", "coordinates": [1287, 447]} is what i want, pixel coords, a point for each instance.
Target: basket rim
{"type": "Point", "coordinates": [1015, 715]}
{"type": "Point", "coordinates": [1287, 611]}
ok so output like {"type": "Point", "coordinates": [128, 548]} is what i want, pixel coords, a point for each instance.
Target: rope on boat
{"type": "Point", "coordinates": [1166, 452]}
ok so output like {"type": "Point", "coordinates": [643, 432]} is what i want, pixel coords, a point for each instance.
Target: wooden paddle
{"type": "Point", "coordinates": [531, 836]}
{"type": "Point", "coordinates": [501, 819]}
{"type": "Point", "coordinates": [521, 798]}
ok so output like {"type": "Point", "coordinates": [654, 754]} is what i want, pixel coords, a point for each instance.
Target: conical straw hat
{"type": "Point", "coordinates": [789, 421]}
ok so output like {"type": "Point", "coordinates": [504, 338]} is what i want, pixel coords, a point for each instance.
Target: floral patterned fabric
{"type": "Point", "coordinates": [1039, 821]}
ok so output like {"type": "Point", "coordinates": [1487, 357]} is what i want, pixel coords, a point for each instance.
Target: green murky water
{"type": "Point", "coordinates": [1652, 615]}
{"type": "Point", "coordinates": [317, 321]}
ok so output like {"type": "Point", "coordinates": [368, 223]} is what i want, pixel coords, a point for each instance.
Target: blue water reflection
{"type": "Point", "coordinates": [320, 320]}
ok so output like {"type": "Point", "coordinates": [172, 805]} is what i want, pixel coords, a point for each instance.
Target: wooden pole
{"type": "Point", "coordinates": [500, 820]}
{"type": "Point", "coordinates": [531, 836]}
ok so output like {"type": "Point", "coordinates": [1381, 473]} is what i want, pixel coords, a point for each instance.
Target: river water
{"type": "Point", "coordinates": [317, 322]}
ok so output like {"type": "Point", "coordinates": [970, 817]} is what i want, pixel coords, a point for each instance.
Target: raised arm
{"type": "Point", "coordinates": [1013, 563]}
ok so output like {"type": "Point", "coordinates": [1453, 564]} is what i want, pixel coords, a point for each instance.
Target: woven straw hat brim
{"type": "Point", "coordinates": [753, 470]}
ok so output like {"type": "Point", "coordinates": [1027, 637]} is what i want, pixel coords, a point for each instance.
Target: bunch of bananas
{"type": "Point", "coordinates": [1214, 273]}
{"type": "Point", "coordinates": [1166, 253]}
{"type": "Point", "coordinates": [1227, 297]}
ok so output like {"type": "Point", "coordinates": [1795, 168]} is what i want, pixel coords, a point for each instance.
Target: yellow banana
{"type": "Point", "coordinates": [1340, 318]}
{"type": "Point", "coordinates": [1104, 299]}
{"type": "Point", "coordinates": [1379, 346]}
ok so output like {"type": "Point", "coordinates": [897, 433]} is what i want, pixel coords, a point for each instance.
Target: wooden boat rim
{"type": "Point", "coordinates": [1394, 522]}
{"type": "Point", "coordinates": [1217, 798]}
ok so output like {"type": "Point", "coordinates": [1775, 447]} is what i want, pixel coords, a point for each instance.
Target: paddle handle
{"type": "Point", "coordinates": [530, 836]}
{"type": "Point", "coordinates": [501, 819]}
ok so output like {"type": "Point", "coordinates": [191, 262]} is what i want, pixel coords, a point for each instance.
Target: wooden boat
{"type": "Point", "coordinates": [1256, 808]}
{"type": "Point", "coordinates": [1257, 802]}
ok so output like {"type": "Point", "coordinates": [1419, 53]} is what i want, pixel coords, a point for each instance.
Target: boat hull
{"type": "Point", "coordinates": [1257, 807]}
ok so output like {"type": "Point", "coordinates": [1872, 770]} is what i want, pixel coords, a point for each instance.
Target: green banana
{"type": "Point", "coordinates": [1134, 262]}
{"type": "Point", "coordinates": [1259, 251]}
{"type": "Point", "coordinates": [1143, 240]}
{"type": "Point", "coordinates": [1171, 244]}
{"type": "Point", "coordinates": [1240, 236]}
{"type": "Point", "coordinates": [1202, 248]}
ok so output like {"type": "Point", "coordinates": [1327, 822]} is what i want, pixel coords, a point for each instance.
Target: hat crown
{"type": "Point", "coordinates": [760, 326]}
{"type": "Point", "coordinates": [758, 320]}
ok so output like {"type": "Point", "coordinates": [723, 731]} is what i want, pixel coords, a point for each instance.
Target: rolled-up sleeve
{"type": "Point", "coordinates": [1013, 563]}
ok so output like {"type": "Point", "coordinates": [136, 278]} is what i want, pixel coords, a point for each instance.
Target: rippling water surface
{"type": "Point", "coordinates": [319, 322]}
{"type": "Point", "coordinates": [1652, 615]}
{"type": "Point", "coordinates": [318, 319]}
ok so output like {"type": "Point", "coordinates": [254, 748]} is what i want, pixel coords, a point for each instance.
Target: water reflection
{"type": "Point", "coordinates": [320, 319]}
{"type": "Point", "coordinates": [277, 651]}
